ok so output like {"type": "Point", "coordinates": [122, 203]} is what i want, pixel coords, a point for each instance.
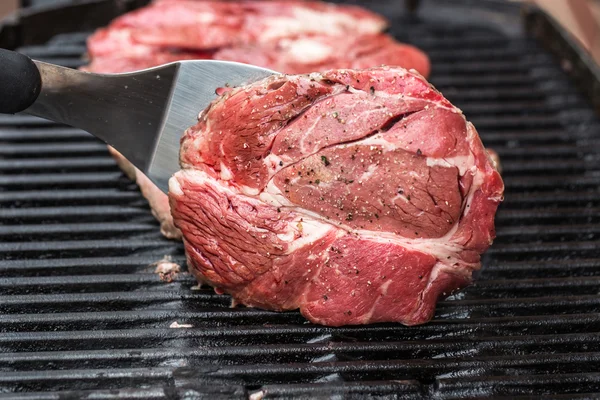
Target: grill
{"type": "Point", "coordinates": [82, 314]}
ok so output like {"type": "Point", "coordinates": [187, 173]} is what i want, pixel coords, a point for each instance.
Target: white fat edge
{"type": "Point", "coordinates": [462, 163]}
{"type": "Point", "coordinates": [272, 195]}
{"type": "Point", "coordinates": [433, 274]}
{"type": "Point", "coordinates": [352, 118]}
{"type": "Point", "coordinates": [312, 257]}
{"type": "Point", "coordinates": [397, 197]}
{"type": "Point", "coordinates": [175, 187]}
{"type": "Point", "coordinates": [205, 17]}
{"type": "Point", "coordinates": [225, 173]}
{"type": "Point", "coordinates": [493, 159]}
{"type": "Point", "coordinates": [413, 174]}
{"type": "Point", "coordinates": [123, 35]}
{"type": "Point", "coordinates": [355, 91]}
{"type": "Point", "coordinates": [312, 231]}
{"type": "Point", "coordinates": [435, 271]}
{"type": "Point", "coordinates": [401, 73]}
{"type": "Point", "coordinates": [200, 177]}
{"type": "Point", "coordinates": [249, 191]}
{"type": "Point", "coordinates": [308, 132]}
{"type": "Point", "coordinates": [288, 236]}
{"type": "Point", "coordinates": [441, 247]}
{"type": "Point", "coordinates": [366, 317]}
{"type": "Point", "coordinates": [196, 175]}
{"type": "Point", "coordinates": [222, 148]}
{"type": "Point", "coordinates": [442, 266]}
{"type": "Point", "coordinates": [478, 177]}
{"type": "Point", "coordinates": [408, 96]}
{"type": "Point", "coordinates": [368, 173]}
{"type": "Point", "coordinates": [317, 76]}
{"type": "Point", "coordinates": [384, 287]}
{"type": "Point", "coordinates": [307, 50]}
{"type": "Point", "coordinates": [305, 20]}
{"type": "Point", "coordinates": [273, 162]}
{"type": "Point", "coordinates": [379, 140]}
{"type": "Point", "coordinates": [195, 145]}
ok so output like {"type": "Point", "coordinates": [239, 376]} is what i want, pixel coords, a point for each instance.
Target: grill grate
{"type": "Point", "coordinates": [83, 314]}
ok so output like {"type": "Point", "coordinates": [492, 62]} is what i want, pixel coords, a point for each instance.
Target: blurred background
{"type": "Point", "coordinates": [7, 6]}
{"type": "Point", "coordinates": [580, 17]}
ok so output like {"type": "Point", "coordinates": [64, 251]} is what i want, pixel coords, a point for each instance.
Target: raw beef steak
{"type": "Point", "coordinates": [357, 196]}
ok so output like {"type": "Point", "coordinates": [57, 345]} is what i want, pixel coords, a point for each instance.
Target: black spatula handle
{"type": "Point", "coordinates": [20, 82]}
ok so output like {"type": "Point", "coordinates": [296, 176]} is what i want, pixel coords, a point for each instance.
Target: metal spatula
{"type": "Point", "coordinates": [141, 114]}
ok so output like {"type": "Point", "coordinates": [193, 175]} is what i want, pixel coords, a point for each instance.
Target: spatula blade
{"type": "Point", "coordinates": [192, 91]}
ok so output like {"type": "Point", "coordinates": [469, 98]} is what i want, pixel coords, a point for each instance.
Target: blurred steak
{"type": "Point", "coordinates": [205, 25]}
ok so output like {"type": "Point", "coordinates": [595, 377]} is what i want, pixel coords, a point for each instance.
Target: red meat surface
{"type": "Point", "coordinates": [356, 196]}
{"type": "Point", "coordinates": [205, 25]}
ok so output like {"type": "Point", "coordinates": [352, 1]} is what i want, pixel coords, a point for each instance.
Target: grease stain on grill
{"type": "Point", "coordinates": [83, 315]}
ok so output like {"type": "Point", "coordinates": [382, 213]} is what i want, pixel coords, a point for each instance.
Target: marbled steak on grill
{"type": "Point", "coordinates": [357, 196]}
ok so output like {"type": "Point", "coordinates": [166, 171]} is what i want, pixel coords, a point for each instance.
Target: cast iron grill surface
{"type": "Point", "coordinates": [82, 312]}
